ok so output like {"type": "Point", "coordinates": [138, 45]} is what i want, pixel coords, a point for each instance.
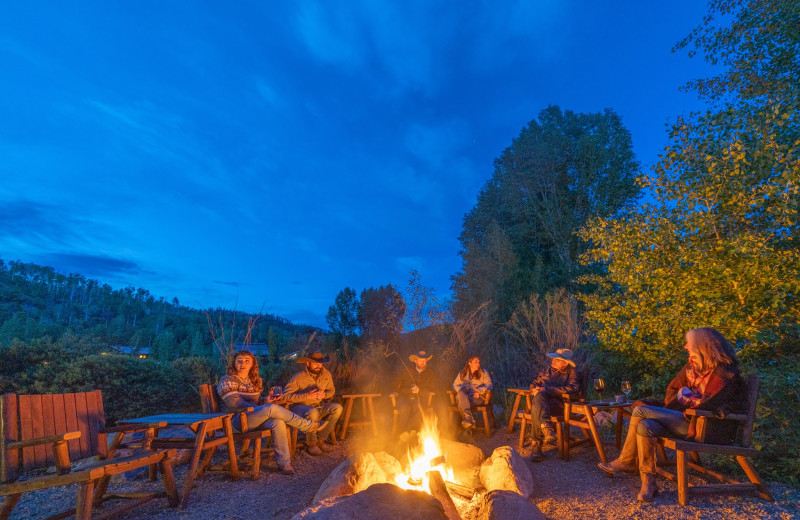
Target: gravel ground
{"type": "Point", "coordinates": [564, 490]}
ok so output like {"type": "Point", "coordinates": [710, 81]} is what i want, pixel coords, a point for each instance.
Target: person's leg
{"type": "Point", "coordinates": [405, 411]}
{"type": "Point", "coordinates": [329, 412]}
{"type": "Point", "coordinates": [627, 459]}
{"type": "Point", "coordinates": [280, 441]}
{"type": "Point", "coordinates": [539, 415]}
{"type": "Point", "coordinates": [290, 418]}
{"type": "Point", "coordinates": [656, 422]}
{"type": "Point", "coordinates": [464, 404]}
{"type": "Point", "coordinates": [662, 422]}
{"type": "Point", "coordinates": [307, 412]}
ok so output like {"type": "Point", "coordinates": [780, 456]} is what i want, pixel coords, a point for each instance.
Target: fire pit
{"type": "Point", "coordinates": [457, 475]}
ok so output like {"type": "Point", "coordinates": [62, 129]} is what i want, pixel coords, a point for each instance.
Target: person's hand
{"type": "Point", "coordinates": [536, 389]}
{"type": "Point", "coordinates": [414, 389]}
{"type": "Point", "coordinates": [476, 395]}
{"type": "Point", "coordinates": [319, 394]}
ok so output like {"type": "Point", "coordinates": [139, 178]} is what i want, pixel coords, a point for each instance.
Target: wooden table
{"type": "Point", "coordinates": [204, 426]}
{"type": "Point", "coordinates": [588, 410]}
{"type": "Point", "coordinates": [514, 419]}
{"type": "Point", "coordinates": [367, 412]}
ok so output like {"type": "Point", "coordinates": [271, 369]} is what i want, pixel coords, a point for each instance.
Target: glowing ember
{"type": "Point", "coordinates": [425, 457]}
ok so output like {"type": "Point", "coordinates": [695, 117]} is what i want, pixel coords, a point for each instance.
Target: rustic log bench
{"type": "Point", "coordinates": [39, 431]}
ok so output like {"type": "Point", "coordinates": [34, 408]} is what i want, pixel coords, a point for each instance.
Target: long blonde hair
{"type": "Point", "coordinates": [253, 375]}
{"type": "Point", "coordinates": [713, 347]}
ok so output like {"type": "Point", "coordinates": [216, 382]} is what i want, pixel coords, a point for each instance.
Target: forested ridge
{"type": "Point", "coordinates": [37, 301]}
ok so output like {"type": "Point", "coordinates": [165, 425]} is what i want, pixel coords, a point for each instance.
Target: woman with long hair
{"type": "Point", "coordinates": [709, 381]}
{"type": "Point", "coordinates": [241, 388]}
{"type": "Point", "coordinates": [472, 385]}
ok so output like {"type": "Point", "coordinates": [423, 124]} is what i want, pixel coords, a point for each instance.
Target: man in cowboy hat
{"type": "Point", "coordinates": [413, 387]}
{"type": "Point", "coordinates": [546, 397]}
{"type": "Point", "coordinates": [305, 392]}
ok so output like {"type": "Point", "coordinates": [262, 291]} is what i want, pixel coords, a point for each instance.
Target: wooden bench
{"type": "Point", "coordinates": [742, 450]}
{"type": "Point", "coordinates": [367, 413]}
{"type": "Point", "coordinates": [38, 431]}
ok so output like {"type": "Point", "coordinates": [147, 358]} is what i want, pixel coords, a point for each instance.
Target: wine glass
{"type": "Point", "coordinates": [626, 389]}
{"type": "Point", "coordinates": [599, 386]}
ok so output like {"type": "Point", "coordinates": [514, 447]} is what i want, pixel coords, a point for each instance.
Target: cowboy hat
{"type": "Point", "coordinates": [563, 354]}
{"type": "Point", "coordinates": [316, 357]}
{"type": "Point", "coordinates": [420, 355]}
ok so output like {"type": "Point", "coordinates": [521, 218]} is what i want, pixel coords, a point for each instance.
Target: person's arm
{"type": "Point", "coordinates": [292, 391]}
{"type": "Point", "coordinates": [485, 382]}
{"type": "Point", "coordinates": [678, 382]}
{"type": "Point", "coordinates": [458, 383]}
{"type": "Point", "coordinates": [724, 389]}
{"type": "Point", "coordinates": [330, 389]}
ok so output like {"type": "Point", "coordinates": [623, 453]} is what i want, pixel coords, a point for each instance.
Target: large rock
{"type": "Point", "coordinates": [506, 469]}
{"type": "Point", "coordinates": [465, 459]}
{"type": "Point", "coordinates": [358, 473]}
{"type": "Point", "coordinates": [508, 505]}
{"type": "Point", "coordinates": [378, 502]}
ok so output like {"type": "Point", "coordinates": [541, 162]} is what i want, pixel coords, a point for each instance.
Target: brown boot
{"type": "Point", "coordinates": [646, 446]}
{"type": "Point", "coordinates": [626, 461]}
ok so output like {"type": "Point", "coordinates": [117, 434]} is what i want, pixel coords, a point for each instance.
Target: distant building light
{"type": "Point", "coordinates": [142, 356]}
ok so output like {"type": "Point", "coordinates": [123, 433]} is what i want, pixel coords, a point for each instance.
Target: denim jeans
{"type": "Point", "coordinates": [466, 400]}
{"type": "Point", "coordinates": [325, 411]}
{"type": "Point", "coordinates": [661, 422]}
{"type": "Point", "coordinates": [542, 408]}
{"type": "Point", "coordinates": [275, 418]}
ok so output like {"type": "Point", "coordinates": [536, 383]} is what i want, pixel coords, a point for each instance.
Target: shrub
{"type": "Point", "coordinates": [131, 387]}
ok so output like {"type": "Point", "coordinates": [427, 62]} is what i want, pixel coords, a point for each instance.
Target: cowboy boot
{"type": "Point", "coordinates": [626, 461]}
{"type": "Point", "coordinates": [646, 446]}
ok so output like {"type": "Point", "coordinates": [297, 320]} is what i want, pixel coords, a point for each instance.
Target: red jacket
{"type": "Point", "coordinates": [724, 393]}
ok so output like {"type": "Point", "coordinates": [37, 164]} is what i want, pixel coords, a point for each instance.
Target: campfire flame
{"type": "Point", "coordinates": [426, 456]}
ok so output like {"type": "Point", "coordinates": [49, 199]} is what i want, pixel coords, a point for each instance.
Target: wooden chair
{"type": "Point", "coordinates": [742, 450]}
{"type": "Point", "coordinates": [484, 409]}
{"type": "Point", "coordinates": [37, 431]}
{"type": "Point", "coordinates": [367, 413]}
{"type": "Point", "coordinates": [564, 440]}
{"type": "Point", "coordinates": [209, 403]}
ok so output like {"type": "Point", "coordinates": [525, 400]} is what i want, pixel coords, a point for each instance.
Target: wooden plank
{"type": "Point", "coordinates": [48, 422]}
{"type": "Point", "coordinates": [9, 432]}
{"type": "Point", "coordinates": [26, 431]}
{"type": "Point", "coordinates": [83, 424]}
{"type": "Point", "coordinates": [71, 419]}
{"type": "Point", "coordinates": [95, 419]}
{"type": "Point", "coordinates": [59, 418]}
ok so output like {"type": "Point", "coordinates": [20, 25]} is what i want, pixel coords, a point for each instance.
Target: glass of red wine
{"type": "Point", "coordinates": [599, 386]}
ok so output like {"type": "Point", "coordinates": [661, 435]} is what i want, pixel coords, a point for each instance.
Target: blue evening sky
{"type": "Point", "coordinates": [265, 154]}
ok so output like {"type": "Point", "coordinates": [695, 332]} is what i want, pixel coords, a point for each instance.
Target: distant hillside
{"type": "Point", "coordinates": [78, 312]}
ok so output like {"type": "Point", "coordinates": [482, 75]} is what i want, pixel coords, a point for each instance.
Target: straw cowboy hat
{"type": "Point", "coordinates": [316, 357]}
{"type": "Point", "coordinates": [420, 355]}
{"type": "Point", "coordinates": [564, 354]}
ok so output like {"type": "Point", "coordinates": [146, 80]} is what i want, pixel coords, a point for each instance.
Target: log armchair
{"type": "Point", "coordinates": [688, 453]}
{"type": "Point", "coordinates": [38, 431]}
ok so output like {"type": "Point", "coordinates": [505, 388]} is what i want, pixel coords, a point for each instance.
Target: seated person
{"type": "Point", "coordinates": [241, 388]}
{"type": "Point", "coordinates": [471, 385]}
{"type": "Point", "coordinates": [546, 398]}
{"type": "Point", "coordinates": [413, 387]}
{"type": "Point", "coordinates": [709, 381]}
{"type": "Point", "coordinates": [305, 392]}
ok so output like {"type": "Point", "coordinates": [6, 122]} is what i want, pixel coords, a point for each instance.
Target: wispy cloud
{"type": "Point", "coordinates": [91, 265]}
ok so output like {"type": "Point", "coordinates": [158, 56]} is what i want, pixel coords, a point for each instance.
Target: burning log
{"type": "Point", "coordinates": [439, 492]}
{"type": "Point", "coordinates": [464, 492]}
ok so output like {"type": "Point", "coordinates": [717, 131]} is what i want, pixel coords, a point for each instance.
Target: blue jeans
{"type": "Point", "coordinates": [661, 422]}
{"type": "Point", "coordinates": [275, 418]}
{"type": "Point", "coordinates": [324, 411]}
